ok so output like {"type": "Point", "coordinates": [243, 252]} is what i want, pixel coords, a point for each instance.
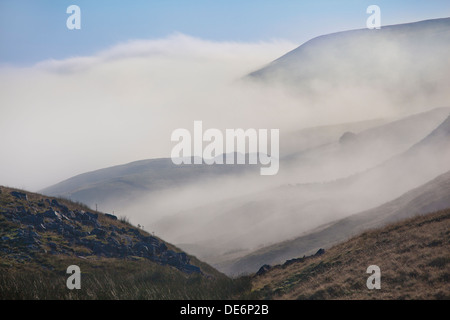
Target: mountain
{"type": "Point", "coordinates": [125, 183]}
{"type": "Point", "coordinates": [403, 65]}
{"type": "Point", "coordinates": [412, 256]}
{"type": "Point", "coordinates": [42, 236]}
{"type": "Point", "coordinates": [430, 197]}
{"type": "Point", "coordinates": [356, 152]}
{"type": "Point", "coordinates": [235, 227]}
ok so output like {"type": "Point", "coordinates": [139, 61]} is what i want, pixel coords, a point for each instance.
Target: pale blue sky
{"type": "Point", "coordinates": [35, 30]}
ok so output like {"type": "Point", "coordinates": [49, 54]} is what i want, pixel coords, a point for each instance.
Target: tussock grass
{"type": "Point", "coordinates": [413, 255]}
{"type": "Point", "coordinates": [113, 279]}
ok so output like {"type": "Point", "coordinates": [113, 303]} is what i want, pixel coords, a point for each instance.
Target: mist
{"type": "Point", "coordinates": [62, 118]}
{"type": "Point", "coordinates": [84, 113]}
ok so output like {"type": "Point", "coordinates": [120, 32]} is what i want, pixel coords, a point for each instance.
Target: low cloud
{"type": "Point", "coordinates": [64, 117]}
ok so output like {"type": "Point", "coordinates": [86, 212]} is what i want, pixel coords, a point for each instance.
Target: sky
{"type": "Point", "coordinates": [73, 101]}
{"type": "Point", "coordinates": [32, 31]}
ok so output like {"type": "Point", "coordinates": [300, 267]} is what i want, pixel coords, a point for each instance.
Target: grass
{"type": "Point", "coordinates": [41, 274]}
{"type": "Point", "coordinates": [413, 255]}
{"type": "Point", "coordinates": [107, 279]}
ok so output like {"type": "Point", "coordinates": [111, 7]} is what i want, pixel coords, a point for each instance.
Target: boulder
{"type": "Point", "coordinates": [111, 216]}
{"type": "Point", "coordinates": [100, 233]}
{"type": "Point", "coordinates": [60, 206]}
{"type": "Point", "coordinates": [263, 270]}
{"type": "Point", "coordinates": [320, 252]}
{"type": "Point", "coordinates": [52, 214]}
{"type": "Point", "coordinates": [19, 195]}
{"type": "Point", "coordinates": [189, 268]}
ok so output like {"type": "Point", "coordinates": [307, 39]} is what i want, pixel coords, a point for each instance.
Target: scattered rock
{"type": "Point", "coordinates": [61, 207]}
{"type": "Point", "coordinates": [320, 252]}
{"type": "Point", "coordinates": [56, 219]}
{"type": "Point", "coordinates": [52, 214]}
{"type": "Point", "coordinates": [19, 195]}
{"type": "Point", "coordinates": [100, 233]}
{"type": "Point", "coordinates": [263, 270]}
{"type": "Point", "coordinates": [111, 216]}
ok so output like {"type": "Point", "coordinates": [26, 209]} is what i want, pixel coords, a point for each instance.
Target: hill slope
{"type": "Point", "coordinates": [434, 195]}
{"type": "Point", "coordinates": [405, 65]}
{"type": "Point", "coordinates": [42, 236]}
{"type": "Point", "coordinates": [286, 212]}
{"type": "Point", "coordinates": [133, 180]}
{"type": "Point", "coordinates": [413, 256]}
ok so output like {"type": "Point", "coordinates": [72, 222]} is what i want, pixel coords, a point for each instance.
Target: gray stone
{"type": "Point", "coordinates": [100, 233]}
{"type": "Point", "coordinates": [19, 195]}
{"type": "Point", "coordinates": [111, 216]}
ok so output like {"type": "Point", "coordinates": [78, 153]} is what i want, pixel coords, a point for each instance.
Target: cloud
{"type": "Point", "coordinates": [64, 117]}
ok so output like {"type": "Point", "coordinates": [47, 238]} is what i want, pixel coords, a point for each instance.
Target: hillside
{"type": "Point", "coordinates": [432, 196]}
{"type": "Point", "coordinates": [367, 65]}
{"type": "Point", "coordinates": [125, 183]}
{"type": "Point", "coordinates": [42, 236]}
{"type": "Point", "coordinates": [354, 152]}
{"type": "Point", "coordinates": [413, 256]}
{"type": "Point", "coordinates": [248, 223]}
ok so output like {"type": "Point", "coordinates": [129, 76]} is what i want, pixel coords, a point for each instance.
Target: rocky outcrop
{"type": "Point", "coordinates": [81, 233]}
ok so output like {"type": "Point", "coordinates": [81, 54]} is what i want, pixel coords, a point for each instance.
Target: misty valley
{"type": "Point", "coordinates": [349, 167]}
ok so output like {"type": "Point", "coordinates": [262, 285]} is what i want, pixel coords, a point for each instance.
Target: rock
{"type": "Point", "coordinates": [113, 241]}
{"type": "Point", "coordinates": [100, 233]}
{"type": "Point", "coordinates": [162, 247]}
{"type": "Point", "coordinates": [111, 216]}
{"type": "Point", "coordinates": [348, 138]}
{"type": "Point", "coordinates": [19, 195]}
{"type": "Point", "coordinates": [91, 223]}
{"type": "Point", "coordinates": [31, 219]}
{"type": "Point", "coordinates": [92, 216]}
{"type": "Point", "coordinates": [151, 240]}
{"type": "Point", "coordinates": [320, 252]}
{"type": "Point", "coordinates": [189, 268]}
{"type": "Point", "coordinates": [52, 214]}
{"type": "Point", "coordinates": [134, 231]}
{"type": "Point", "coordinates": [21, 210]}
{"type": "Point", "coordinates": [5, 238]}
{"type": "Point", "coordinates": [60, 206]}
{"type": "Point", "coordinates": [142, 250]}
{"type": "Point", "coordinates": [263, 270]}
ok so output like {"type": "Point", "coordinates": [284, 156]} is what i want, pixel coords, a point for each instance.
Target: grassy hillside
{"type": "Point", "coordinates": [413, 255]}
{"type": "Point", "coordinates": [429, 197]}
{"type": "Point", "coordinates": [42, 236]}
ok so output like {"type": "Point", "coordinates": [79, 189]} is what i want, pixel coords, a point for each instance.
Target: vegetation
{"type": "Point", "coordinates": [413, 256]}
{"type": "Point", "coordinates": [112, 279]}
{"type": "Point", "coordinates": [38, 270]}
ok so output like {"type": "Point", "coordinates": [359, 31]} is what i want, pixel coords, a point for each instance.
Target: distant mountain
{"type": "Point", "coordinates": [430, 197]}
{"type": "Point", "coordinates": [412, 256]}
{"type": "Point", "coordinates": [406, 64]}
{"type": "Point", "coordinates": [245, 223]}
{"type": "Point", "coordinates": [356, 152]}
{"type": "Point", "coordinates": [125, 183]}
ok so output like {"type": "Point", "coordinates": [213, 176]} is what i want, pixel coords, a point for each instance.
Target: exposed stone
{"type": "Point", "coordinates": [100, 233]}
{"type": "Point", "coordinates": [111, 216]}
{"type": "Point", "coordinates": [19, 195]}
{"type": "Point", "coordinates": [263, 270]}
{"type": "Point", "coordinates": [320, 252]}
{"type": "Point", "coordinates": [52, 214]}
{"type": "Point", "coordinates": [60, 206]}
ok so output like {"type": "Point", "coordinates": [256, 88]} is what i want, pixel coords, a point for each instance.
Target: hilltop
{"type": "Point", "coordinates": [413, 256]}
